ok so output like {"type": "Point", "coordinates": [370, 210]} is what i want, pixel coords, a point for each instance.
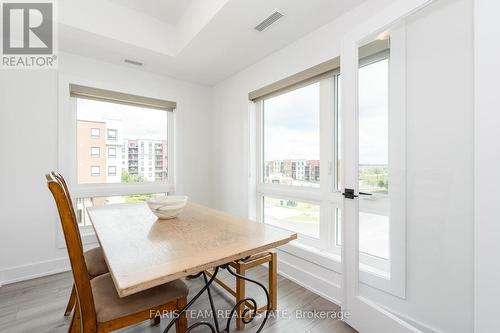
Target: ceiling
{"type": "Point", "coordinates": [169, 11]}
{"type": "Point", "coordinates": [203, 41]}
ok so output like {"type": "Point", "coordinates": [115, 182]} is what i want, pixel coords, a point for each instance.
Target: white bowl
{"type": "Point", "coordinates": [167, 207]}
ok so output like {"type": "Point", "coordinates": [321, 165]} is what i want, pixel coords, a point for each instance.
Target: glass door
{"type": "Point", "coordinates": [373, 67]}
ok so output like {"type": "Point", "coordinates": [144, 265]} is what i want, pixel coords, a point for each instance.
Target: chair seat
{"type": "Point", "coordinates": [110, 306]}
{"type": "Point", "coordinates": [96, 265]}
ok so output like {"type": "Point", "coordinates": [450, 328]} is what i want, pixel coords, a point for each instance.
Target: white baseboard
{"type": "Point", "coordinates": [33, 271]}
{"type": "Point", "coordinates": [315, 279]}
{"type": "Point", "coordinates": [415, 323]}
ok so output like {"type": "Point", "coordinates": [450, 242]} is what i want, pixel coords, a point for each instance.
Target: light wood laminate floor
{"type": "Point", "coordinates": [37, 306]}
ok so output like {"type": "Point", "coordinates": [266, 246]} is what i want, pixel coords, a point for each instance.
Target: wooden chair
{"type": "Point", "coordinates": [241, 267]}
{"type": "Point", "coordinates": [98, 306]}
{"type": "Point", "coordinates": [94, 258]}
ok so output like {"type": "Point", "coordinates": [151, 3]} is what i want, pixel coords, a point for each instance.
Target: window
{"type": "Point", "coordinates": [373, 162]}
{"type": "Point", "coordinates": [112, 152]}
{"type": "Point", "coordinates": [126, 121]}
{"type": "Point", "coordinates": [112, 134]}
{"type": "Point", "coordinates": [373, 158]}
{"type": "Point", "coordinates": [95, 152]}
{"type": "Point", "coordinates": [294, 215]}
{"type": "Point", "coordinates": [291, 137]}
{"type": "Point", "coordinates": [293, 188]}
{"type": "Point", "coordinates": [95, 133]}
{"type": "Point", "coordinates": [95, 171]}
{"type": "Point", "coordinates": [137, 125]}
{"type": "Point", "coordinates": [111, 170]}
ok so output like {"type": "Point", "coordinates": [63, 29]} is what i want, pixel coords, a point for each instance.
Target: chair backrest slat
{"type": "Point", "coordinates": [59, 190]}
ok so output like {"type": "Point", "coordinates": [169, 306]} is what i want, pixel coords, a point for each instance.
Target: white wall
{"type": "Point", "coordinates": [487, 160]}
{"type": "Point", "coordinates": [440, 157]}
{"type": "Point", "coordinates": [28, 131]}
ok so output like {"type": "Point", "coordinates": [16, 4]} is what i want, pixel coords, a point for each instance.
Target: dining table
{"type": "Point", "coordinates": [143, 252]}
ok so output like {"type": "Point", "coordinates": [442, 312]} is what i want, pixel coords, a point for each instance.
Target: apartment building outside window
{"type": "Point", "coordinates": [129, 124]}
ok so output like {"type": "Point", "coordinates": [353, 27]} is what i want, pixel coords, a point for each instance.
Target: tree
{"type": "Point", "coordinates": [131, 178]}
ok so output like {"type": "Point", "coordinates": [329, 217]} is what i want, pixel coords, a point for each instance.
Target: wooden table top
{"type": "Point", "coordinates": [143, 252]}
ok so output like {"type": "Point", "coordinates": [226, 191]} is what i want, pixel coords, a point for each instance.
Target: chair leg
{"type": "Point", "coordinates": [240, 294]}
{"type": "Point", "coordinates": [156, 321]}
{"type": "Point", "coordinates": [71, 302]}
{"type": "Point", "coordinates": [75, 326]}
{"type": "Point", "coordinates": [273, 281]}
{"type": "Point", "coordinates": [181, 324]}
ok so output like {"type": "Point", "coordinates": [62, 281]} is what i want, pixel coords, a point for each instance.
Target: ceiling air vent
{"type": "Point", "coordinates": [133, 62]}
{"type": "Point", "coordinates": [268, 21]}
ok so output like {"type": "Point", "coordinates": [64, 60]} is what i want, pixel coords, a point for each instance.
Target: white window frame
{"type": "Point", "coordinates": [94, 136]}
{"type": "Point", "coordinates": [369, 263]}
{"type": "Point", "coordinates": [321, 195]}
{"type": "Point", "coordinates": [109, 155]}
{"type": "Point", "coordinates": [112, 166]}
{"type": "Point", "coordinates": [95, 174]}
{"type": "Point", "coordinates": [108, 130]}
{"type": "Point", "coordinates": [98, 152]}
{"type": "Point", "coordinates": [67, 152]}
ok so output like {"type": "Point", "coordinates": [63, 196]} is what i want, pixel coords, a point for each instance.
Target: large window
{"type": "Point", "coordinates": [299, 167]}
{"type": "Point", "coordinates": [295, 149]}
{"type": "Point", "coordinates": [108, 128]}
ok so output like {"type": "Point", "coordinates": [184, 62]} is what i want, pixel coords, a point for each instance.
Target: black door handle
{"type": "Point", "coordinates": [349, 193]}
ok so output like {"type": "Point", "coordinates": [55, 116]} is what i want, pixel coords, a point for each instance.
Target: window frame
{"type": "Point", "coordinates": [325, 195]}
{"type": "Point", "coordinates": [112, 130]}
{"type": "Point", "coordinates": [95, 174]}
{"type": "Point", "coordinates": [109, 155]}
{"type": "Point", "coordinates": [67, 152]}
{"type": "Point", "coordinates": [98, 155]}
{"type": "Point", "coordinates": [112, 166]}
{"type": "Point", "coordinates": [95, 136]}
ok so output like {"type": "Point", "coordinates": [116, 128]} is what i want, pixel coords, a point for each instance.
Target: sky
{"type": "Point", "coordinates": [373, 113]}
{"type": "Point", "coordinates": [291, 120]}
{"type": "Point", "coordinates": [137, 122]}
{"type": "Point", "coordinates": [291, 125]}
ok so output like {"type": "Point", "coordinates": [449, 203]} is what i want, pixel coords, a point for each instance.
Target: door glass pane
{"type": "Point", "coordinates": [291, 137]}
{"type": "Point", "coordinates": [373, 159]}
{"type": "Point", "coordinates": [300, 217]}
